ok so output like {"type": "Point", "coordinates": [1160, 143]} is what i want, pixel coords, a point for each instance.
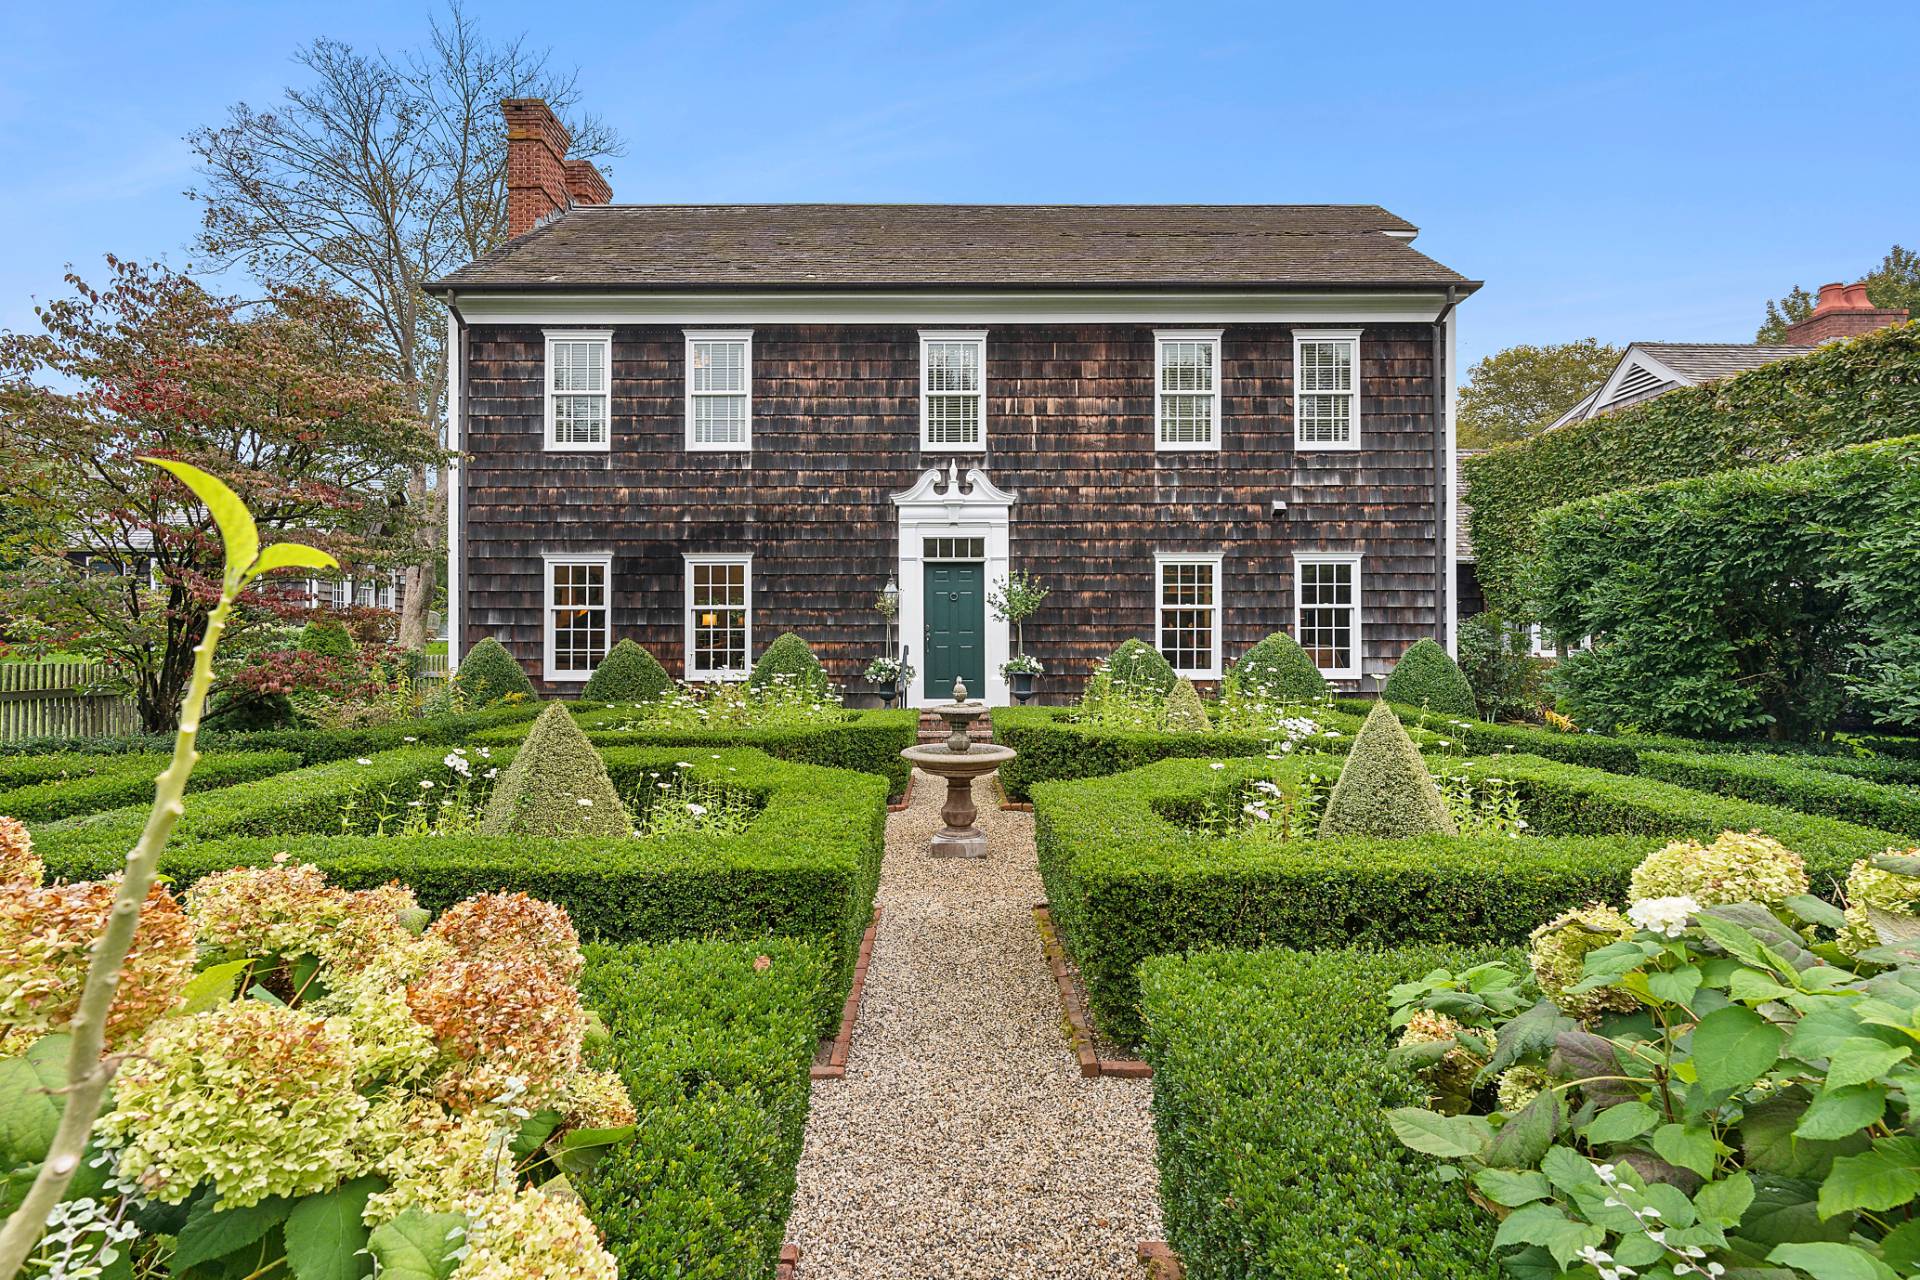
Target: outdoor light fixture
{"type": "Point", "coordinates": [1279, 509]}
{"type": "Point", "coordinates": [891, 591]}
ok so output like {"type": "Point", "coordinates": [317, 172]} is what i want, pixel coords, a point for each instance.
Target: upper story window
{"type": "Point", "coordinates": [1326, 389]}
{"type": "Point", "coordinates": [579, 395]}
{"type": "Point", "coordinates": [719, 614]}
{"type": "Point", "coordinates": [719, 390]}
{"type": "Point", "coordinates": [579, 614]}
{"type": "Point", "coordinates": [1187, 389]}
{"type": "Point", "coordinates": [1188, 591]}
{"type": "Point", "coordinates": [953, 391]}
{"type": "Point", "coordinates": [1326, 602]}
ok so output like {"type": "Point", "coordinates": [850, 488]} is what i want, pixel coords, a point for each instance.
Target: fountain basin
{"type": "Point", "coordinates": [960, 838]}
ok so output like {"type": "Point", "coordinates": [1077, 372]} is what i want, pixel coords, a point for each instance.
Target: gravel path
{"type": "Point", "coordinates": [962, 1141]}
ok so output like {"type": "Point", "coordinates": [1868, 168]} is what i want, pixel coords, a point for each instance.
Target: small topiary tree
{"type": "Point", "coordinates": [1426, 677]}
{"type": "Point", "coordinates": [1185, 713]}
{"type": "Point", "coordinates": [1139, 668]}
{"type": "Point", "coordinates": [488, 673]}
{"type": "Point", "coordinates": [328, 637]}
{"type": "Point", "coordinates": [1384, 789]}
{"type": "Point", "coordinates": [627, 674]}
{"type": "Point", "coordinates": [557, 786]}
{"type": "Point", "coordinates": [1276, 670]}
{"type": "Point", "coordinates": [789, 656]}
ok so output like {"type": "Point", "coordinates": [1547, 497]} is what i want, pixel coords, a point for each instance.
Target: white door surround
{"type": "Point", "coordinates": [938, 506]}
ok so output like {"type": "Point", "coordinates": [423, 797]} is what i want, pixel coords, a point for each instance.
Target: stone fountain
{"type": "Point", "coordinates": [959, 760]}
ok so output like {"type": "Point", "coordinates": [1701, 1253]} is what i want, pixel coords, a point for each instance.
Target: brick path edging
{"type": "Point", "coordinates": [788, 1267]}
{"type": "Point", "coordinates": [1161, 1262]}
{"type": "Point", "coordinates": [836, 1064]}
{"type": "Point", "coordinates": [906, 796]}
{"type": "Point", "coordinates": [1073, 1004]}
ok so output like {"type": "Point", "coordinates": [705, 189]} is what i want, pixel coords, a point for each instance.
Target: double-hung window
{"type": "Point", "coordinates": [953, 391]}
{"type": "Point", "coordinates": [719, 390]}
{"type": "Point", "coordinates": [1187, 589]}
{"type": "Point", "coordinates": [1326, 603]}
{"type": "Point", "coordinates": [1326, 389]}
{"type": "Point", "coordinates": [579, 389]}
{"type": "Point", "coordinates": [1187, 389]}
{"type": "Point", "coordinates": [719, 613]}
{"type": "Point", "coordinates": [579, 614]}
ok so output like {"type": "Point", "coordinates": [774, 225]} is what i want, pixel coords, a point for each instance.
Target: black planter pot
{"type": "Point", "coordinates": [888, 692]}
{"type": "Point", "coordinates": [1020, 683]}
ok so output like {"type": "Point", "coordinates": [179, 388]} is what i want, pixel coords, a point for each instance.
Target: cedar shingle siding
{"type": "Point", "coordinates": [836, 431]}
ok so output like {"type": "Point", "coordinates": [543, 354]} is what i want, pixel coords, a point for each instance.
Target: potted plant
{"type": "Point", "coordinates": [1015, 598]}
{"type": "Point", "coordinates": [889, 674]}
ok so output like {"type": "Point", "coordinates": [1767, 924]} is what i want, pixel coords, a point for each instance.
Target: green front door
{"type": "Point", "coordinates": [956, 629]}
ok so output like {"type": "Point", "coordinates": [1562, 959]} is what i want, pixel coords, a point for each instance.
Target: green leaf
{"type": "Point", "coordinates": [214, 1233]}
{"type": "Point", "coordinates": [1512, 1187]}
{"type": "Point", "coordinates": [211, 987]}
{"type": "Point", "coordinates": [1568, 1170]}
{"type": "Point", "coordinates": [1723, 1203]}
{"type": "Point", "coordinates": [1901, 1248]}
{"type": "Point", "coordinates": [534, 1132]}
{"type": "Point", "coordinates": [1768, 1140]}
{"type": "Point", "coordinates": [291, 555]}
{"type": "Point", "coordinates": [29, 1110]}
{"type": "Point", "coordinates": [418, 1245]}
{"type": "Point", "coordinates": [1692, 1149]}
{"type": "Point", "coordinates": [1437, 1135]}
{"type": "Point", "coordinates": [1732, 938]}
{"type": "Point", "coordinates": [1822, 1027]}
{"type": "Point", "coordinates": [1858, 1060]}
{"type": "Point", "coordinates": [1813, 910]}
{"type": "Point", "coordinates": [1750, 986]}
{"type": "Point", "coordinates": [1676, 986]}
{"type": "Point", "coordinates": [579, 1148]}
{"type": "Point", "coordinates": [1835, 1113]}
{"type": "Point", "coordinates": [1824, 1261]}
{"type": "Point", "coordinates": [1528, 1035]}
{"type": "Point", "coordinates": [326, 1239]}
{"type": "Point", "coordinates": [237, 532]}
{"type": "Point", "coordinates": [1549, 1227]}
{"type": "Point", "coordinates": [1531, 1263]}
{"type": "Point", "coordinates": [1783, 1211]}
{"type": "Point", "coordinates": [1733, 1047]}
{"type": "Point", "coordinates": [1882, 1177]}
{"type": "Point", "coordinates": [1621, 1122]}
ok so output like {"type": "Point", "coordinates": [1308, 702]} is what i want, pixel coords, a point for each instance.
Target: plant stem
{"type": "Point", "coordinates": [88, 1071]}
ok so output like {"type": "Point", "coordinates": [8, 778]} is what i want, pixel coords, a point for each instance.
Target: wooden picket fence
{"type": "Point", "coordinates": [61, 700]}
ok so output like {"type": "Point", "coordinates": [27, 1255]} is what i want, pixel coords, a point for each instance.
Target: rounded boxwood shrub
{"type": "Point", "coordinates": [1184, 713]}
{"type": "Point", "coordinates": [328, 637]}
{"type": "Point", "coordinates": [488, 673]}
{"type": "Point", "coordinates": [557, 786]}
{"type": "Point", "coordinates": [627, 674]}
{"type": "Point", "coordinates": [1426, 677]}
{"type": "Point", "coordinates": [1385, 791]}
{"type": "Point", "coordinates": [789, 656]}
{"type": "Point", "coordinates": [1277, 670]}
{"type": "Point", "coordinates": [1138, 667]}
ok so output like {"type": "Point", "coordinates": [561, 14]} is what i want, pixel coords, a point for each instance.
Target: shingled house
{"type": "Point", "coordinates": [701, 426]}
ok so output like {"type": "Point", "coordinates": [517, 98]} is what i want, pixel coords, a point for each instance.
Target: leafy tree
{"type": "Point", "coordinates": [1016, 598]}
{"type": "Point", "coordinates": [1426, 677]}
{"type": "Point", "coordinates": [1894, 285]}
{"type": "Point", "coordinates": [377, 176]}
{"type": "Point", "coordinates": [1516, 393]}
{"type": "Point", "coordinates": [286, 400]}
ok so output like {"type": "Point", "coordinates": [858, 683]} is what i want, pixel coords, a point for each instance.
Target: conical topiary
{"type": "Point", "coordinates": [488, 673]}
{"type": "Point", "coordinates": [1138, 667]}
{"type": "Point", "coordinates": [789, 656]}
{"type": "Point", "coordinates": [329, 638]}
{"type": "Point", "coordinates": [1277, 670]}
{"type": "Point", "coordinates": [627, 674]}
{"type": "Point", "coordinates": [1184, 713]}
{"type": "Point", "coordinates": [557, 786]}
{"type": "Point", "coordinates": [1384, 789]}
{"type": "Point", "coordinates": [1426, 677]}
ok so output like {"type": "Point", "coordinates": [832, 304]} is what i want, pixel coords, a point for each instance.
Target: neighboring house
{"type": "Point", "coordinates": [701, 426]}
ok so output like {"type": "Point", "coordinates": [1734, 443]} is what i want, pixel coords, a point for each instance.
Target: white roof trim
{"type": "Point", "coordinates": [942, 488]}
{"type": "Point", "coordinates": [1636, 357]}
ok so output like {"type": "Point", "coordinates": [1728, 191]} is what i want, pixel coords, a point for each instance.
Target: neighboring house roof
{"type": "Point", "coordinates": [1463, 536]}
{"type": "Point", "coordinates": [857, 246]}
{"type": "Point", "coordinates": [1650, 369]}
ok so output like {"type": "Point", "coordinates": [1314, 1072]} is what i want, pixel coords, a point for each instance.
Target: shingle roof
{"type": "Point", "coordinates": [1708, 361]}
{"type": "Point", "coordinates": [946, 246]}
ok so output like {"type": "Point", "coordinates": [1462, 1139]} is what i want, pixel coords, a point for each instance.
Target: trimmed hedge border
{"type": "Point", "coordinates": [1889, 770]}
{"type": "Point", "coordinates": [1125, 882]}
{"type": "Point", "coordinates": [1270, 1077]}
{"type": "Point", "coordinates": [1785, 781]}
{"type": "Point", "coordinates": [91, 783]}
{"type": "Point", "coordinates": [312, 746]}
{"type": "Point", "coordinates": [806, 867]}
{"type": "Point", "coordinates": [715, 1055]}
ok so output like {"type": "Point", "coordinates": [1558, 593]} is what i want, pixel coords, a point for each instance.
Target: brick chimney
{"type": "Point", "coordinates": [541, 181]}
{"type": "Point", "coordinates": [1842, 312]}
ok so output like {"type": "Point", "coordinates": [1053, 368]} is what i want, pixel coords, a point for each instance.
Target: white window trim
{"type": "Point", "coordinates": [548, 562]}
{"type": "Point", "coordinates": [1161, 337]}
{"type": "Point", "coordinates": [1352, 442]}
{"type": "Point", "coordinates": [745, 337]}
{"type": "Point", "coordinates": [979, 338]}
{"type": "Point", "coordinates": [1353, 670]}
{"type": "Point", "coordinates": [603, 337]}
{"type": "Point", "coordinates": [1162, 559]}
{"type": "Point", "coordinates": [690, 559]}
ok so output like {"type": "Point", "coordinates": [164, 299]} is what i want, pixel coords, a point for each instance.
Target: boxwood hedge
{"type": "Point", "coordinates": [312, 745]}
{"type": "Point", "coordinates": [806, 866]}
{"type": "Point", "coordinates": [1784, 780]}
{"type": "Point", "coordinates": [1270, 1075]}
{"type": "Point", "coordinates": [70, 784]}
{"type": "Point", "coordinates": [1126, 880]}
{"type": "Point", "coordinates": [715, 1054]}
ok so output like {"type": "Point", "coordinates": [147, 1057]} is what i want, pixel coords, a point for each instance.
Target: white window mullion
{"type": "Point", "coordinates": [579, 383]}
{"type": "Point", "coordinates": [1186, 389]}
{"type": "Point", "coordinates": [719, 390]}
{"type": "Point", "coordinates": [578, 619]}
{"type": "Point", "coordinates": [1326, 610]}
{"type": "Point", "coordinates": [1326, 389]}
{"type": "Point", "coordinates": [953, 391]}
{"type": "Point", "coordinates": [1188, 613]}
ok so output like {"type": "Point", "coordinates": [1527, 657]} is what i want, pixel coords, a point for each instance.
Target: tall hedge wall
{"type": "Point", "coordinates": [1847, 393]}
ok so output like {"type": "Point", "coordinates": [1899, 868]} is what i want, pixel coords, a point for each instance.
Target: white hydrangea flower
{"type": "Point", "coordinates": [363, 760]}
{"type": "Point", "coordinates": [1665, 916]}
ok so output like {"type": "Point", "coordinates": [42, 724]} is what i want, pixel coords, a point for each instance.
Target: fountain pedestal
{"type": "Point", "coordinates": [959, 760]}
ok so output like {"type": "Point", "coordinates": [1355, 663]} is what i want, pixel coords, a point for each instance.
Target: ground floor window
{"type": "Point", "coordinates": [1188, 591]}
{"type": "Point", "coordinates": [1326, 599]}
{"type": "Point", "coordinates": [719, 616]}
{"type": "Point", "coordinates": [578, 614]}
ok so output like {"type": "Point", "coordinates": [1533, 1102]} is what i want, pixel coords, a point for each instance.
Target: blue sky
{"type": "Point", "coordinates": [1622, 171]}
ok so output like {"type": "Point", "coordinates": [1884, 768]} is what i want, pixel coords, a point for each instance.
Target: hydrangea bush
{"type": "Point", "coordinates": [1717, 1082]}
